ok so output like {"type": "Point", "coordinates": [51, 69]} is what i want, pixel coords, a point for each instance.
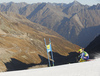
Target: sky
{"type": "Point", "coordinates": [88, 2]}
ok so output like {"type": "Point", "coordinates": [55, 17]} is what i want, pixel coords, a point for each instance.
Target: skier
{"type": "Point", "coordinates": [84, 56]}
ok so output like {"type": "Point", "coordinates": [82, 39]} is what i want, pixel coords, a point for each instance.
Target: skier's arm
{"type": "Point", "coordinates": [82, 55]}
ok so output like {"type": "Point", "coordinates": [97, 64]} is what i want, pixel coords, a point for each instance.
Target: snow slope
{"type": "Point", "coordinates": [90, 68]}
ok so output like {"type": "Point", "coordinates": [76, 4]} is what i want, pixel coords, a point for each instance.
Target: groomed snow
{"type": "Point", "coordinates": [90, 68]}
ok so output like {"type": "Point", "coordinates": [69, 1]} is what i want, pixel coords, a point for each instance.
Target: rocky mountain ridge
{"type": "Point", "coordinates": [69, 20]}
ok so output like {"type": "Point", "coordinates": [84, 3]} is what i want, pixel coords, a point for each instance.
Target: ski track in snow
{"type": "Point", "coordinates": [90, 68]}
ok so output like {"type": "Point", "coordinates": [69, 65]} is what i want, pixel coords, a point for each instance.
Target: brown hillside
{"type": "Point", "coordinates": [22, 46]}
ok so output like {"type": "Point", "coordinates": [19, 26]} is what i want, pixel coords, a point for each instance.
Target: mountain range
{"type": "Point", "coordinates": [73, 21]}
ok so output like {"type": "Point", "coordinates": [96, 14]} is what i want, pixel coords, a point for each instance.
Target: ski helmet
{"type": "Point", "coordinates": [80, 51]}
